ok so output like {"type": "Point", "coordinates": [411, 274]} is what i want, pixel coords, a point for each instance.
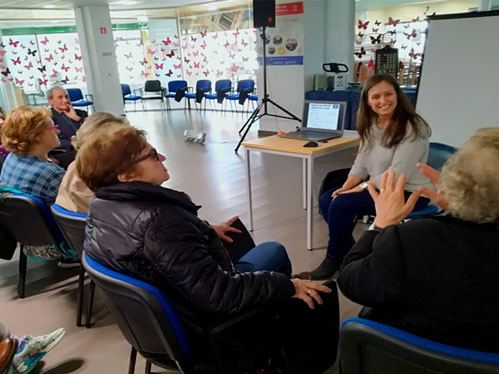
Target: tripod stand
{"type": "Point", "coordinates": [256, 115]}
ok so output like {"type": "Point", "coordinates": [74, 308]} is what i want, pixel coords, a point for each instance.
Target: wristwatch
{"type": "Point", "coordinates": [363, 185]}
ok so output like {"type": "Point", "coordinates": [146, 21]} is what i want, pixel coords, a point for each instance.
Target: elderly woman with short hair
{"type": "Point", "coordinates": [29, 133]}
{"type": "Point", "coordinates": [435, 277]}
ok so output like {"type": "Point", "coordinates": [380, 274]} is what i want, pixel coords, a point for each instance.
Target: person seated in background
{"type": "Point", "coordinates": [30, 349]}
{"type": "Point", "coordinates": [68, 120]}
{"type": "Point", "coordinates": [153, 233]}
{"type": "Point", "coordinates": [29, 134]}
{"type": "Point", "coordinates": [435, 277]}
{"type": "Point", "coordinates": [74, 195]}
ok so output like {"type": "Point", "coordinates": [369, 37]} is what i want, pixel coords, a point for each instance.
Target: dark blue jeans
{"type": "Point", "coordinates": [341, 214]}
{"type": "Point", "coordinates": [270, 256]}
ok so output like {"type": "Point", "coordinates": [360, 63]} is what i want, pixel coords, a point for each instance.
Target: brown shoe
{"type": "Point", "coordinates": [8, 348]}
{"type": "Point", "coordinates": [305, 275]}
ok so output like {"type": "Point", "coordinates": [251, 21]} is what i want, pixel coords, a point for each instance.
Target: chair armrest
{"type": "Point", "coordinates": [190, 89]}
{"type": "Point", "coordinates": [91, 97]}
{"type": "Point", "coordinates": [135, 90]}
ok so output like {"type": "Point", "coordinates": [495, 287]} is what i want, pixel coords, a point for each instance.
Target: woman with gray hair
{"type": "Point", "coordinates": [435, 277]}
{"type": "Point", "coordinates": [74, 195]}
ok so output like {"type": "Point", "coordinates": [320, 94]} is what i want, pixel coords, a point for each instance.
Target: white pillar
{"type": "Point", "coordinates": [484, 4]}
{"type": "Point", "coordinates": [95, 34]}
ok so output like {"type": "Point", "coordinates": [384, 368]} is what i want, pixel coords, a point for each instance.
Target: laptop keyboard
{"type": "Point", "coordinates": [310, 135]}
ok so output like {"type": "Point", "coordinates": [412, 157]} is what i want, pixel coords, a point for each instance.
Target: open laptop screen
{"type": "Point", "coordinates": [324, 115]}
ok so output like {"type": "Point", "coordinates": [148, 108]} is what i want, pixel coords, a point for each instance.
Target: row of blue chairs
{"type": "Point", "coordinates": [154, 91]}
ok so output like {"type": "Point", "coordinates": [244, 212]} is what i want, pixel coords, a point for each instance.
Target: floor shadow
{"type": "Point", "coordinates": [65, 367]}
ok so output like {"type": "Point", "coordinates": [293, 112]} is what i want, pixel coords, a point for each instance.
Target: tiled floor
{"type": "Point", "coordinates": [213, 175]}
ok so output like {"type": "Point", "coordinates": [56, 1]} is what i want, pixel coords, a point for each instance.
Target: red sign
{"type": "Point", "coordinates": [289, 8]}
{"type": "Point", "coordinates": [103, 30]}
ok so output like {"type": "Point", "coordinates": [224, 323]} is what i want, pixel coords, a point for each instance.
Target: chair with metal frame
{"type": "Point", "coordinates": [247, 85]}
{"type": "Point", "coordinates": [128, 96]}
{"type": "Point", "coordinates": [368, 347]}
{"type": "Point", "coordinates": [222, 86]}
{"type": "Point", "coordinates": [31, 223]}
{"type": "Point", "coordinates": [149, 321]}
{"type": "Point", "coordinates": [173, 86]}
{"type": "Point", "coordinates": [203, 85]}
{"type": "Point", "coordinates": [153, 91]}
{"type": "Point", "coordinates": [72, 225]}
{"type": "Point", "coordinates": [76, 98]}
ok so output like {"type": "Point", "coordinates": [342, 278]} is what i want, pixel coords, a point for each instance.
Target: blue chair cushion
{"type": "Point", "coordinates": [429, 210]}
{"type": "Point", "coordinates": [133, 97]}
{"type": "Point", "coordinates": [190, 95]}
{"type": "Point", "coordinates": [428, 344]}
{"type": "Point", "coordinates": [232, 97]}
{"type": "Point", "coordinates": [253, 97]}
{"type": "Point", "coordinates": [211, 96]}
{"type": "Point", "coordinates": [82, 103]}
{"type": "Point", "coordinates": [165, 303]}
{"type": "Point", "coordinates": [60, 209]}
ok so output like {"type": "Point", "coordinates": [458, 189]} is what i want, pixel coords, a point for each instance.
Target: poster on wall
{"type": "Point", "coordinates": [284, 43]}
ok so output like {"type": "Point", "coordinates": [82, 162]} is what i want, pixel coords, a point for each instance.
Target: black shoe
{"type": "Point", "coordinates": [326, 269]}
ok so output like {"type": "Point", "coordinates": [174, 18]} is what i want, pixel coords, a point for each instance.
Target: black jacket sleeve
{"type": "Point", "coordinates": [179, 252]}
{"type": "Point", "coordinates": [373, 271]}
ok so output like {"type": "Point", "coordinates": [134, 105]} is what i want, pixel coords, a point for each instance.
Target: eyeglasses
{"type": "Point", "coordinates": [152, 153]}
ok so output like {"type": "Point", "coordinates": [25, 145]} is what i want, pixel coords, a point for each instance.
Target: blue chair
{"type": "Point", "coordinates": [128, 96]}
{"type": "Point", "coordinates": [222, 85]}
{"type": "Point", "coordinates": [173, 86]}
{"type": "Point", "coordinates": [203, 85]}
{"type": "Point", "coordinates": [247, 85]}
{"type": "Point", "coordinates": [369, 347]}
{"type": "Point", "coordinates": [253, 99]}
{"type": "Point", "coordinates": [149, 321]}
{"type": "Point", "coordinates": [30, 222]}
{"type": "Point", "coordinates": [438, 155]}
{"type": "Point", "coordinates": [76, 98]}
{"type": "Point", "coordinates": [72, 226]}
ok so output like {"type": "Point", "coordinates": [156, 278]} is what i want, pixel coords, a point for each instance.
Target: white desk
{"type": "Point", "coordinates": [294, 148]}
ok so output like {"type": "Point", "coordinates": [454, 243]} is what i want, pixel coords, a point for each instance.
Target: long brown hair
{"type": "Point", "coordinates": [404, 114]}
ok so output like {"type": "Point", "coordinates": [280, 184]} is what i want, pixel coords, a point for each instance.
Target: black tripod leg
{"type": "Point", "coordinates": [246, 132]}
{"type": "Point", "coordinates": [284, 110]}
{"type": "Point", "coordinates": [254, 114]}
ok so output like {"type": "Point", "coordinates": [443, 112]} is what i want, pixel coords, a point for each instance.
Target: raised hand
{"type": "Point", "coordinates": [224, 227]}
{"type": "Point", "coordinates": [71, 113]}
{"type": "Point", "coordinates": [391, 207]}
{"type": "Point", "coordinates": [308, 291]}
{"type": "Point", "coordinates": [438, 197]}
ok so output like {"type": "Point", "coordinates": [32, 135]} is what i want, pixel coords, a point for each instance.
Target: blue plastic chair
{"type": "Point", "coordinates": [72, 226]}
{"type": "Point", "coordinates": [438, 155]}
{"type": "Point", "coordinates": [247, 85]}
{"type": "Point", "coordinates": [253, 99]}
{"type": "Point", "coordinates": [128, 96]}
{"type": "Point", "coordinates": [76, 98]}
{"type": "Point", "coordinates": [202, 85]}
{"type": "Point", "coordinates": [221, 85]}
{"type": "Point", "coordinates": [369, 347]}
{"type": "Point", "coordinates": [173, 86]}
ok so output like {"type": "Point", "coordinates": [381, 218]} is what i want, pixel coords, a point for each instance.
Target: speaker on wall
{"type": "Point", "coordinates": [263, 13]}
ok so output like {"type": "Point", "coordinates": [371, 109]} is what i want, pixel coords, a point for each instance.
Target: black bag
{"type": "Point", "coordinates": [7, 244]}
{"type": "Point", "coordinates": [179, 94]}
{"type": "Point", "coordinates": [334, 179]}
{"type": "Point", "coordinates": [243, 95]}
{"type": "Point", "coordinates": [220, 96]}
{"type": "Point", "coordinates": [199, 96]}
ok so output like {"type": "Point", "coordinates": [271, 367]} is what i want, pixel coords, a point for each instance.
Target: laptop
{"type": "Point", "coordinates": [322, 120]}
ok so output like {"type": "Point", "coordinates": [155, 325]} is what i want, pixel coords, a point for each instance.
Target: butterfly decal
{"type": "Point", "coordinates": [6, 72]}
{"type": "Point", "coordinates": [393, 22]}
{"type": "Point", "coordinates": [245, 59]}
{"type": "Point", "coordinates": [205, 59]}
{"type": "Point", "coordinates": [362, 25]}
{"type": "Point", "coordinates": [157, 75]}
{"type": "Point", "coordinates": [159, 66]}
{"type": "Point", "coordinates": [393, 32]}
{"type": "Point", "coordinates": [195, 53]}
{"type": "Point", "coordinates": [175, 36]}
{"type": "Point", "coordinates": [415, 19]}
{"type": "Point", "coordinates": [129, 68]}
{"type": "Point", "coordinates": [236, 34]}
{"type": "Point", "coordinates": [375, 30]}
{"type": "Point", "coordinates": [144, 74]}
{"type": "Point", "coordinates": [143, 62]}
{"type": "Point", "coordinates": [215, 36]}
{"type": "Point", "coordinates": [245, 44]}
{"type": "Point", "coordinates": [29, 66]}
{"type": "Point", "coordinates": [20, 72]}
{"type": "Point", "coordinates": [219, 73]}
{"type": "Point", "coordinates": [413, 55]}
{"type": "Point", "coordinates": [412, 34]}
{"type": "Point", "coordinates": [150, 52]}
{"type": "Point", "coordinates": [361, 53]}
{"type": "Point", "coordinates": [203, 34]}
{"type": "Point", "coordinates": [189, 73]}
{"type": "Point", "coordinates": [186, 60]}
{"type": "Point", "coordinates": [358, 41]}
{"type": "Point", "coordinates": [19, 82]}
{"type": "Point", "coordinates": [170, 72]}
{"type": "Point", "coordinates": [193, 39]}
{"type": "Point", "coordinates": [406, 26]}
{"type": "Point", "coordinates": [13, 43]}
{"type": "Point", "coordinates": [360, 35]}
{"type": "Point", "coordinates": [42, 82]}
{"type": "Point", "coordinates": [179, 75]}
{"type": "Point", "coordinates": [128, 56]}
{"type": "Point", "coordinates": [83, 79]}
{"type": "Point", "coordinates": [156, 58]}
{"type": "Point", "coordinates": [197, 65]}
{"type": "Point", "coordinates": [79, 70]}
{"type": "Point", "coordinates": [232, 55]}
{"type": "Point", "coordinates": [63, 49]}
{"type": "Point", "coordinates": [204, 44]}
{"type": "Point", "coordinates": [171, 54]}
{"type": "Point", "coordinates": [375, 40]}
{"type": "Point", "coordinates": [227, 44]}
{"type": "Point", "coordinates": [65, 68]}
{"type": "Point", "coordinates": [31, 42]}
{"type": "Point", "coordinates": [77, 58]}
{"type": "Point", "coordinates": [377, 23]}
{"type": "Point", "coordinates": [54, 74]}
{"type": "Point", "coordinates": [206, 73]}
{"type": "Point", "coordinates": [16, 61]}
{"type": "Point", "coordinates": [167, 41]}
{"type": "Point", "coordinates": [2, 53]}
{"type": "Point", "coordinates": [371, 64]}
{"type": "Point", "coordinates": [177, 66]}
{"type": "Point", "coordinates": [403, 46]}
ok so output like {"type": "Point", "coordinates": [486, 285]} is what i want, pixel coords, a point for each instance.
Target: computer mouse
{"type": "Point", "coordinates": [311, 144]}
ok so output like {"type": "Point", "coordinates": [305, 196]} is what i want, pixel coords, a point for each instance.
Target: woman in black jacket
{"type": "Point", "coordinates": [435, 277]}
{"type": "Point", "coordinates": [153, 233]}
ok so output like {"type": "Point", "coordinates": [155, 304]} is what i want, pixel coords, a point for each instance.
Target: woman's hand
{"type": "Point", "coordinates": [308, 291]}
{"type": "Point", "coordinates": [391, 207]}
{"type": "Point", "coordinates": [438, 197]}
{"type": "Point", "coordinates": [224, 227]}
{"type": "Point", "coordinates": [342, 191]}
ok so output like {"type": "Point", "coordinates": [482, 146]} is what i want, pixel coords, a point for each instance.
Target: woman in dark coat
{"type": "Point", "coordinates": [153, 233]}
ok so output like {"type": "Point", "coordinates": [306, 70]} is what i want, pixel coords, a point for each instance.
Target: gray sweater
{"type": "Point", "coordinates": [373, 160]}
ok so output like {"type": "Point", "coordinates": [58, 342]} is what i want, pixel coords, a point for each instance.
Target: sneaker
{"type": "Point", "coordinates": [67, 263]}
{"type": "Point", "coordinates": [31, 350]}
{"type": "Point", "coordinates": [326, 269]}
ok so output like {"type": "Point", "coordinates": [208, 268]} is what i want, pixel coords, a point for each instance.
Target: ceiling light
{"type": "Point", "coordinates": [49, 6]}
{"type": "Point", "coordinates": [142, 19]}
{"type": "Point", "coordinates": [124, 2]}
{"type": "Point", "coordinates": [211, 7]}
{"type": "Point", "coordinates": [54, 21]}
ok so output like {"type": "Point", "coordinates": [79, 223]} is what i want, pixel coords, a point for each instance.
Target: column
{"type": "Point", "coordinates": [7, 94]}
{"type": "Point", "coordinates": [95, 33]}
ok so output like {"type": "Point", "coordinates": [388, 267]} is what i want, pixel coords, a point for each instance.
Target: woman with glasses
{"type": "Point", "coordinates": [153, 233]}
{"type": "Point", "coordinates": [29, 134]}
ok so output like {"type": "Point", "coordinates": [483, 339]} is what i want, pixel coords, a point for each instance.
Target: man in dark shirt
{"type": "Point", "coordinates": [68, 120]}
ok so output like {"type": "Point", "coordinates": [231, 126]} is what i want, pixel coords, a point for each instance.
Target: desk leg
{"type": "Point", "coordinates": [304, 179]}
{"type": "Point", "coordinates": [310, 203]}
{"type": "Point", "coordinates": [248, 187]}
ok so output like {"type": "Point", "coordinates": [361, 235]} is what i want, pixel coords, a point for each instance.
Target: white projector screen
{"type": "Point", "coordinates": [459, 84]}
